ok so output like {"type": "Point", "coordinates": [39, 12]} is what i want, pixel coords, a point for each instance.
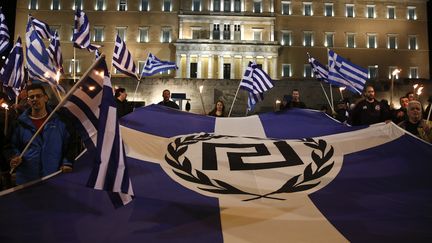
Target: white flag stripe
{"type": "Point", "coordinates": [86, 123]}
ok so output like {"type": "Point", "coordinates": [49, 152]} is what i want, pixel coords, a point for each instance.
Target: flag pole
{"type": "Point", "coordinates": [202, 101]}
{"type": "Point", "coordinates": [235, 96]}
{"type": "Point", "coordinates": [60, 104]}
{"type": "Point", "coordinates": [322, 87]}
{"type": "Point", "coordinates": [74, 64]}
{"type": "Point", "coordinates": [331, 96]}
{"type": "Point", "coordinates": [429, 113]}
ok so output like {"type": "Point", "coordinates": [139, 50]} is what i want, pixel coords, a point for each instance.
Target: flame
{"type": "Point", "coordinates": [419, 91]}
{"type": "Point", "coordinates": [100, 73]}
{"type": "Point", "coordinates": [91, 88]}
{"type": "Point", "coordinates": [342, 89]}
{"type": "Point", "coordinates": [46, 75]}
{"type": "Point", "coordinates": [5, 106]}
{"type": "Point", "coordinates": [58, 74]}
{"type": "Point", "coordinates": [396, 72]}
{"type": "Point", "coordinates": [278, 102]}
{"type": "Point", "coordinates": [201, 88]}
{"type": "Point", "coordinates": [415, 86]}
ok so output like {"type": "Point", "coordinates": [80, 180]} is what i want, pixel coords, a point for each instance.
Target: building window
{"type": "Point", "coordinates": [196, 5]}
{"type": "Point", "coordinates": [227, 71]}
{"type": "Point", "coordinates": [286, 8]}
{"type": "Point", "coordinates": [226, 32]}
{"type": "Point", "coordinates": [286, 70]}
{"type": "Point", "coordinates": [237, 6]}
{"type": "Point", "coordinates": [216, 32]}
{"type": "Point", "coordinates": [349, 11]}
{"type": "Point", "coordinates": [55, 5]}
{"type": "Point", "coordinates": [197, 33]}
{"type": "Point", "coordinates": [391, 12]}
{"type": "Point", "coordinates": [227, 5]}
{"type": "Point", "coordinates": [98, 34]}
{"type": "Point", "coordinates": [392, 42]}
{"type": "Point", "coordinates": [194, 70]}
{"type": "Point", "coordinates": [328, 9]}
{"type": "Point", "coordinates": [373, 72]}
{"type": "Point", "coordinates": [307, 71]}
{"type": "Point", "coordinates": [33, 5]}
{"type": "Point", "coordinates": [121, 32]}
{"type": "Point", "coordinates": [412, 42]}
{"type": "Point", "coordinates": [329, 39]}
{"type": "Point", "coordinates": [307, 9]}
{"type": "Point", "coordinates": [308, 38]}
{"type": "Point", "coordinates": [71, 65]}
{"type": "Point", "coordinates": [237, 32]}
{"type": "Point", "coordinates": [350, 40]}
{"type": "Point", "coordinates": [257, 35]}
{"type": "Point", "coordinates": [100, 5]}
{"type": "Point", "coordinates": [145, 5]}
{"type": "Point", "coordinates": [143, 34]}
{"type": "Point", "coordinates": [371, 41]}
{"type": "Point", "coordinates": [370, 11]}
{"type": "Point", "coordinates": [122, 5]}
{"type": "Point", "coordinates": [257, 6]}
{"type": "Point", "coordinates": [166, 35]}
{"type": "Point", "coordinates": [55, 28]}
{"type": "Point", "coordinates": [166, 6]}
{"type": "Point", "coordinates": [77, 5]}
{"type": "Point", "coordinates": [286, 38]}
{"type": "Point", "coordinates": [411, 14]}
{"type": "Point", "coordinates": [413, 72]}
{"type": "Point", "coordinates": [216, 5]}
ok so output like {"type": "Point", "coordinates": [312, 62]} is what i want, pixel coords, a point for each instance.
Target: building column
{"type": "Point", "coordinates": [222, 5]}
{"type": "Point", "coordinates": [211, 31]}
{"type": "Point", "coordinates": [221, 62]}
{"type": "Point", "coordinates": [210, 67]}
{"type": "Point", "coordinates": [244, 63]}
{"type": "Point", "coordinates": [272, 32]}
{"type": "Point", "coordinates": [181, 30]}
{"type": "Point", "coordinates": [178, 63]}
{"type": "Point", "coordinates": [274, 68]}
{"type": "Point", "coordinates": [231, 32]}
{"type": "Point", "coordinates": [232, 74]}
{"type": "Point", "coordinates": [199, 66]}
{"type": "Point", "coordinates": [187, 65]}
{"type": "Point", "coordinates": [265, 65]}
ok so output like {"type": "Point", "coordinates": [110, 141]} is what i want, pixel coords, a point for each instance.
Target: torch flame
{"type": "Point", "coordinates": [395, 72]}
{"type": "Point", "coordinates": [5, 106]}
{"type": "Point", "coordinates": [415, 86]}
{"type": "Point", "coordinates": [342, 89]}
{"type": "Point", "coordinates": [201, 88]}
{"type": "Point", "coordinates": [419, 91]}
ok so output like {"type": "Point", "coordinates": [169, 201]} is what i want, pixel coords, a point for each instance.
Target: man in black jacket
{"type": "Point", "coordinates": [369, 110]}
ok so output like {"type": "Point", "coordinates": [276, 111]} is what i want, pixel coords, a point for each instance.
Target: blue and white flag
{"type": "Point", "coordinates": [41, 28]}
{"type": "Point", "coordinates": [55, 53]}
{"type": "Point", "coordinates": [93, 110]}
{"type": "Point", "coordinates": [122, 59]}
{"type": "Point", "coordinates": [12, 73]}
{"type": "Point", "coordinates": [39, 64]}
{"type": "Point", "coordinates": [256, 82]}
{"type": "Point", "coordinates": [153, 66]}
{"type": "Point", "coordinates": [345, 73]}
{"type": "Point", "coordinates": [4, 33]}
{"type": "Point", "coordinates": [295, 176]}
{"type": "Point", "coordinates": [81, 35]}
{"type": "Point", "coordinates": [320, 71]}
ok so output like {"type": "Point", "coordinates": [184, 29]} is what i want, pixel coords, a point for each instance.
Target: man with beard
{"type": "Point", "coordinates": [369, 110]}
{"type": "Point", "coordinates": [48, 152]}
{"type": "Point", "coordinates": [415, 123]}
{"type": "Point", "coordinates": [401, 113]}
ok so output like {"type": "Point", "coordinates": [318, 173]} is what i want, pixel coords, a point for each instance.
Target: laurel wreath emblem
{"type": "Point", "coordinates": [182, 167]}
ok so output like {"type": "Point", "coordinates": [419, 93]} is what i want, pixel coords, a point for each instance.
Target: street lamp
{"type": "Point", "coordinates": [394, 73]}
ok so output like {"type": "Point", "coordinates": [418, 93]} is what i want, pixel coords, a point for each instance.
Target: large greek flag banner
{"type": "Point", "coordinates": [249, 179]}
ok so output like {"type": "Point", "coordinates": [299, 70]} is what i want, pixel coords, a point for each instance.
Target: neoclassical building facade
{"type": "Point", "coordinates": [216, 39]}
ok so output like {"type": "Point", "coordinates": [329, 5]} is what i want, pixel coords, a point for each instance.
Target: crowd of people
{"type": "Point", "coordinates": [57, 145]}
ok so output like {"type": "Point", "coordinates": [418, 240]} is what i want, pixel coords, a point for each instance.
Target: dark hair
{"type": "Point", "coordinates": [118, 91]}
{"type": "Point", "coordinates": [4, 96]}
{"type": "Point", "coordinates": [36, 86]}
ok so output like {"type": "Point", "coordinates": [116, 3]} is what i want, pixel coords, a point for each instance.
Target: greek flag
{"type": "Point", "coordinates": [93, 109]}
{"type": "Point", "coordinates": [122, 58]}
{"type": "Point", "coordinates": [12, 72]}
{"type": "Point", "coordinates": [345, 73]}
{"type": "Point", "coordinates": [55, 53]}
{"type": "Point", "coordinates": [320, 71]}
{"type": "Point", "coordinates": [153, 65]}
{"type": "Point", "coordinates": [81, 33]}
{"type": "Point", "coordinates": [4, 33]}
{"type": "Point", "coordinates": [41, 28]}
{"type": "Point", "coordinates": [256, 82]}
{"type": "Point", "coordinates": [39, 64]}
